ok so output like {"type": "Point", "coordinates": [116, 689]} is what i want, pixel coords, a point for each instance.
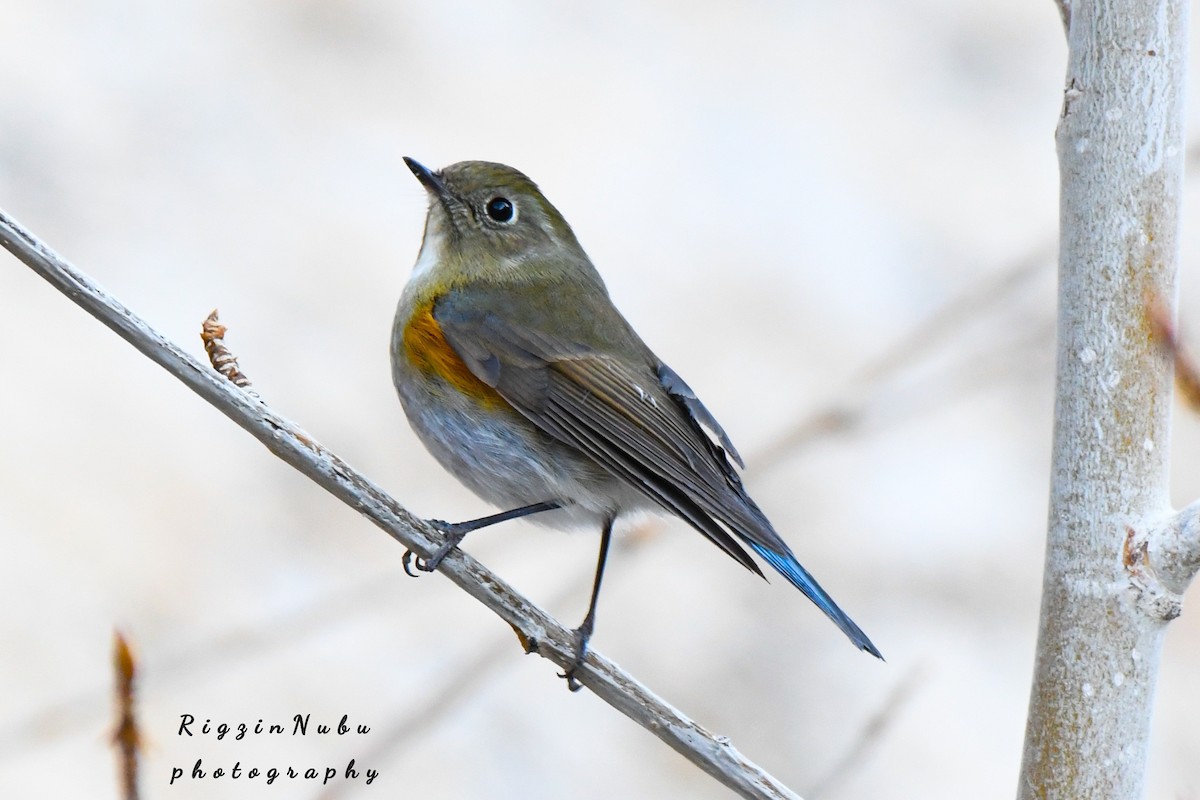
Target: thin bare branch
{"type": "Point", "coordinates": [715, 755]}
{"type": "Point", "coordinates": [126, 737]}
{"type": "Point", "coordinates": [460, 686]}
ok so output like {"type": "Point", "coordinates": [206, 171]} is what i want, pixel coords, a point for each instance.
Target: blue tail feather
{"type": "Point", "coordinates": [787, 566]}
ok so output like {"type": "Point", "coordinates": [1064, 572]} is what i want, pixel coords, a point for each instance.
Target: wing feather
{"type": "Point", "coordinates": [566, 429]}
{"type": "Point", "coordinates": [636, 418]}
{"type": "Point", "coordinates": [632, 414]}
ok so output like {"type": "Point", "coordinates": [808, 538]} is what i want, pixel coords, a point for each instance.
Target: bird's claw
{"type": "Point", "coordinates": [453, 536]}
{"type": "Point", "coordinates": [572, 684]}
{"type": "Point", "coordinates": [411, 560]}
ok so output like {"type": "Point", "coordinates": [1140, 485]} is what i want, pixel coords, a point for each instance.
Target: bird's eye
{"type": "Point", "coordinates": [501, 209]}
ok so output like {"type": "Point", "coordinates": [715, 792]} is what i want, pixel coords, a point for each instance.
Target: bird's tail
{"type": "Point", "coordinates": [787, 566]}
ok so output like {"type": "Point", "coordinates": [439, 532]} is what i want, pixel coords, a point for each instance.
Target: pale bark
{"type": "Point", "coordinates": [1117, 558]}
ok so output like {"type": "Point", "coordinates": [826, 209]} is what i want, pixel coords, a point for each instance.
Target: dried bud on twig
{"type": "Point", "coordinates": [212, 332]}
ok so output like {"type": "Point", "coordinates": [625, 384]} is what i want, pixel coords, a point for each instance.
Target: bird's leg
{"type": "Point", "coordinates": [456, 531]}
{"type": "Point", "coordinates": [584, 631]}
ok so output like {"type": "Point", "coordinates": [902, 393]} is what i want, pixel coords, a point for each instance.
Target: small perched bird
{"type": "Point", "coordinates": [524, 381]}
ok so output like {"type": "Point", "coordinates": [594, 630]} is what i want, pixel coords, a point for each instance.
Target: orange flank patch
{"type": "Point", "coordinates": [428, 350]}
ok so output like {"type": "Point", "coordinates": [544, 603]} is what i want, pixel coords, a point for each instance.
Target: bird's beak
{"type": "Point", "coordinates": [428, 178]}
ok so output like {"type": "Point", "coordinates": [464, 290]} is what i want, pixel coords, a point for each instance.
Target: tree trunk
{"type": "Point", "coordinates": [1104, 606]}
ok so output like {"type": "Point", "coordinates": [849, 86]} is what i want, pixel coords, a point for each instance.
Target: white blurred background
{"type": "Point", "coordinates": [807, 208]}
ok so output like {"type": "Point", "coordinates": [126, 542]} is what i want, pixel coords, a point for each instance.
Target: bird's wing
{"type": "Point", "coordinates": [618, 413]}
{"type": "Point", "coordinates": [640, 421]}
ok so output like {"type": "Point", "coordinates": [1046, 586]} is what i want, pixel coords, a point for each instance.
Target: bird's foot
{"type": "Point", "coordinates": [455, 532]}
{"type": "Point", "coordinates": [582, 634]}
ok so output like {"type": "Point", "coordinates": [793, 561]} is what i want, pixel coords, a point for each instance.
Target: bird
{"type": "Point", "coordinates": [523, 380]}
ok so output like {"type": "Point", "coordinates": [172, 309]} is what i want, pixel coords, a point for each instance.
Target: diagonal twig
{"type": "Point", "coordinates": [715, 755]}
{"type": "Point", "coordinates": [458, 687]}
{"type": "Point", "coordinates": [126, 737]}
